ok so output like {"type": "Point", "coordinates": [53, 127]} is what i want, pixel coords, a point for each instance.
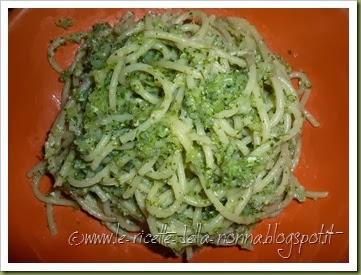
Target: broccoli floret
{"type": "Point", "coordinates": [98, 104]}
{"type": "Point", "coordinates": [214, 95]}
{"type": "Point", "coordinates": [157, 140]}
{"type": "Point", "coordinates": [240, 172]}
{"type": "Point", "coordinates": [64, 23]}
{"type": "Point", "coordinates": [99, 45]}
{"type": "Point", "coordinates": [86, 143]}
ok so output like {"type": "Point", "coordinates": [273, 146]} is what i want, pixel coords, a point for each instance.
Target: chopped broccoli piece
{"type": "Point", "coordinates": [64, 23]}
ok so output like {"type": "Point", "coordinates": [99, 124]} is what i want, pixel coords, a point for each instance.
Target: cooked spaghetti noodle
{"type": "Point", "coordinates": [176, 120]}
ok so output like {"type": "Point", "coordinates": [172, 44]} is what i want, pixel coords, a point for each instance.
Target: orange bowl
{"type": "Point", "coordinates": [312, 40]}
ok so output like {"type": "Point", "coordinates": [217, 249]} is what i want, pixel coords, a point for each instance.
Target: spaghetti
{"type": "Point", "coordinates": [178, 120]}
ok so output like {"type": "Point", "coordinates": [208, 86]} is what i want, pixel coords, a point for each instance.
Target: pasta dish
{"type": "Point", "coordinates": [176, 119]}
